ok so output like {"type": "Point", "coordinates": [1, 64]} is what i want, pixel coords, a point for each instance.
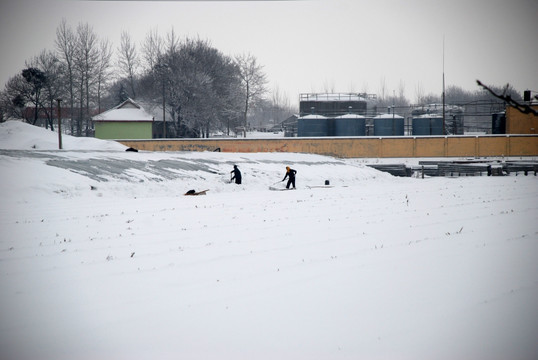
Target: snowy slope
{"type": "Point", "coordinates": [102, 257]}
{"type": "Point", "coordinates": [18, 135]}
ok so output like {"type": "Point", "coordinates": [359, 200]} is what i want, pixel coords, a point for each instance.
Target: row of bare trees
{"type": "Point", "coordinates": [187, 83]}
{"type": "Point", "coordinates": [77, 71]}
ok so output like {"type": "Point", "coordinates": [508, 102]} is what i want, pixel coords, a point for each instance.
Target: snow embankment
{"type": "Point", "coordinates": [102, 257]}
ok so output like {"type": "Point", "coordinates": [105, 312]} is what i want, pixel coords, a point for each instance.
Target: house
{"type": "Point", "coordinates": [290, 126]}
{"type": "Point", "coordinates": [128, 120]}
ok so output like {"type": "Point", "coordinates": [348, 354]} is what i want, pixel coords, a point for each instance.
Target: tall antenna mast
{"type": "Point", "coordinates": [444, 128]}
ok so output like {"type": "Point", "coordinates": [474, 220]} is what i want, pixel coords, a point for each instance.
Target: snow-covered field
{"type": "Point", "coordinates": [102, 257]}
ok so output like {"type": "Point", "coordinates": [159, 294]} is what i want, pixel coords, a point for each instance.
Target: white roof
{"type": "Point", "coordinates": [126, 111]}
{"type": "Point", "coordinates": [313, 117]}
{"type": "Point", "coordinates": [388, 116]}
{"type": "Point", "coordinates": [350, 116]}
{"type": "Point", "coordinates": [428, 116]}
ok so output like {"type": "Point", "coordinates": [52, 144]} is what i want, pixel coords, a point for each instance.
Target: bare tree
{"type": "Point", "coordinates": [172, 42]}
{"type": "Point", "coordinates": [280, 99]}
{"type": "Point", "coordinates": [508, 99]}
{"type": "Point", "coordinates": [199, 86]}
{"type": "Point", "coordinates": [328, 86]}
{"type": "Point", "coordinates": [365, 88]}
{"type": "Point", "coordinates": [152, 48]}
{"type": "Point", "coordinates": [66, 47]}
{"type": "Point", "coordinates": [431, 99]}
{"type": "Point", "coordinates": [36, 79]}
{"type": "Point", "coordinates": [457, 95]}
{"type": "Point", "coordinates": [103, 68]}
{"type": "Point", "coordinates": [382, 88]}
{"type": "Point", "coordinates": [401, 94]}
{"type": "Point", "coordinates": [128, 60]}
{"type": "Point", "coordinates": [253, 81]}
{"type": "Point", "coordinates": [419, 93]}
{"type": "Point", "coordinates": [273, 111]}
{"type": "Point", "coordinates": [86, 61]}
{"type": "Point", "coordinates": [53, 85]}
{"type": "Point", "coordinates": [13, 98]}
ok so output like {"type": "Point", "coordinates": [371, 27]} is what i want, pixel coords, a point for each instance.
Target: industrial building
{"type": "Point", "coordinates": [428, 120]}
{"type": "Point", "coordinates": [356, 114]}
{"type": "Point", "coordinates": [389, 125]}
{"type": "Point", "coordinates": [341, 114]}
{"type": "Point", "coordinates": [513, 121]}
{"type": "Point", "coordinates": [333, 105]}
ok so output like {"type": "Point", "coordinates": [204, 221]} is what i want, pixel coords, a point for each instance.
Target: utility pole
{"type": "Point", "coordinates": [59, 124]}
{"type": "Point", "coordinates": [444, 128]}
{"type": "Point", "coordinates": [164, 111]}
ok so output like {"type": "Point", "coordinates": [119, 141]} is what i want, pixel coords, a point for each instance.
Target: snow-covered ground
{"type": "Point", "coordinates": [102, 257]}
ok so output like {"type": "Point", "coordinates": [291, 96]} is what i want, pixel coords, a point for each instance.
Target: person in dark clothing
{"type": "Point", "coordinates": [290, 174]}
{"type": "Point", "coordinates": [236, 175]}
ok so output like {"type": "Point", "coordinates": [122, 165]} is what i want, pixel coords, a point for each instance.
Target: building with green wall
{"type": "Point", "coordinates": [128, 120]}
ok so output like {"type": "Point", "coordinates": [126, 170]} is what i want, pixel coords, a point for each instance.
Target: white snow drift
{"type": "Point", "coordinates": [102, 257]}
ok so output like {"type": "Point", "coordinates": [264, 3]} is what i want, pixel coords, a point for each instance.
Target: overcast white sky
{"type": "Point", "coordinates": [313, 45]}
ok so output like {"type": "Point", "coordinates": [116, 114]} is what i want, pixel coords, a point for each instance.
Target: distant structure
{"type": "Point", "coordinates": [338, 114]}
{"type": "Point", "coordinates": [289, 126]}
{"type": "Point", "coordinates": [350, 125]}
{"type": "Point", "coordinates": [128, 120]}
{"type": "Point", "coordinates": [332, 105]}
{"type": "Point", "coordinates": [498, 123]}
{"type": "Point", "coordinates": [516, 122]}
{"type": "Point", "coordinates": [388, 125]}
{"type": "Point", "coordinates": [427, 124]}
{"type": "Point", "coordinates": [314, 125]}
{"type": "Point", "coordinates": [428, 120]}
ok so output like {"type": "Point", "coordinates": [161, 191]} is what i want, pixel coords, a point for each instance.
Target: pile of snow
{"type": "Point", "coordinates": [102, 257]}
{"type": "Point", "coordinates": [18, 135]}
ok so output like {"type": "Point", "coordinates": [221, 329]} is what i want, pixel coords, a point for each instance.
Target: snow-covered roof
{"type": "Point", "coordinates": [313, 117]}
{"type": "Point", "coordinates": [388, 116]}
{"type": "Point", "coordinates": [126, 111]}
{"type": "Point", "coordinates": [428, 116]}
{"type": "Point", "coordinates": [350, 116]}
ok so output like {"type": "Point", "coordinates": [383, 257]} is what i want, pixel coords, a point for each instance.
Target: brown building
{"type": "Point", "coordinates": [519, 123]}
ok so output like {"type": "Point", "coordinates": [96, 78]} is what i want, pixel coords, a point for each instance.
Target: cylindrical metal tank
{"type": "Point", "coordinates": [350, 125]}
{"type": "Point", "coordinates": [388, 125]}
{"type": "Point", "coordinates": [312, 125]}
{"type": "Point", "coordinates": [428, 125]}
{"type": "Point", "coordinates": [498, 123]}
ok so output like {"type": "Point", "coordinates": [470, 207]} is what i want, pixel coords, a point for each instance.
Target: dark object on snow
{"type": "Point", "coordinates": [131, 149]}
{"type": "Point", "coordinates": [280, 189]}
{"type": "Point", "coordinates": [217, 150]}
{"type": "Point", "coordinates": [327, 182]}
{"type": "Point", "coordinates": [393, 169]}
{"type": "Point", "coordinates": [236, 175]}
{"type": "Point", "coordinates": [319, 186]}
{"type": "Point", "coordinates": [92, 187]}
{"type": "Point", "coordinates": [194, 192]}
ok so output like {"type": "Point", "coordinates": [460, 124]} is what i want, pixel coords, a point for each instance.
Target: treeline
{"type": "Point", "coordinates": [187, 82]}
{"type": "Point", "coordinates": [454, 95]}
{"type": "Point", "coordinates": [477, 106]}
